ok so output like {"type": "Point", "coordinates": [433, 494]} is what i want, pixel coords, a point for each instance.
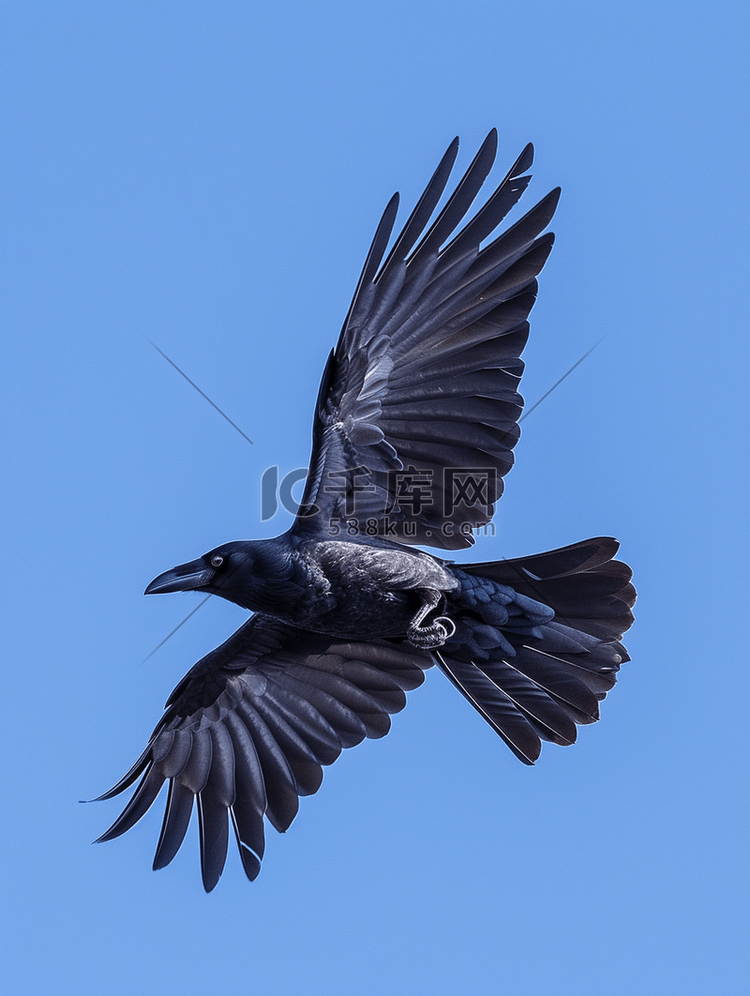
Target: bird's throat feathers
{"type": "Point", "coordinates": [265, 575]}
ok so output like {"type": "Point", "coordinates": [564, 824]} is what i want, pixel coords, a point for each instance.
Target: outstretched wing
{"type": "Point", "coordinates": [418, 409]}
{"type": "Point", "coordinates": [247, 730]}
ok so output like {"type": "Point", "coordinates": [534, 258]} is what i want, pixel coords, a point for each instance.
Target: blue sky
{"type": "Point", "coordinates": [209, 176]}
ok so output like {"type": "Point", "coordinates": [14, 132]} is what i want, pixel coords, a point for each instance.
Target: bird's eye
{"type": "Point", "coordinates": [217, 561]}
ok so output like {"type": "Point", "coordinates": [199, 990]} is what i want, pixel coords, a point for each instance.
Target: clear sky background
{"type": "Point", "coordinates": [209, 176]}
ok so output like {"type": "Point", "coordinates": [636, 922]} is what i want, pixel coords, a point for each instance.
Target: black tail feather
{"type": "Point", "coordinates": [543, 675]}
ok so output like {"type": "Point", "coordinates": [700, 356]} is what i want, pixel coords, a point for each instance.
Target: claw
{"type": "Point", "coordinates": [432, 636]}
{"type": "Point", "coordinates": [448, 625]}
{"type": "Point", "coordinates": [427, 637]}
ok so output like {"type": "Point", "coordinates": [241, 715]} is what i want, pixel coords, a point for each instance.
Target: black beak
{"type": "Point", "coordinates": [182, 578]}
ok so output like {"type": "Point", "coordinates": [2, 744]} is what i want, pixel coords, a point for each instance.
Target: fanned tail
{"type": "Point", "coordinates": [537, 644]}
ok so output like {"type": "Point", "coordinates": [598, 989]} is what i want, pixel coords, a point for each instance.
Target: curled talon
{"type": "Point", "coordinates": [429, 637]}
{"type": "Point", "coordinates": [448, 625]}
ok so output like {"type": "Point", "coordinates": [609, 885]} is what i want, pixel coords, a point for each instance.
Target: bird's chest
{"type": "Point", "coordinates": [359, 591]}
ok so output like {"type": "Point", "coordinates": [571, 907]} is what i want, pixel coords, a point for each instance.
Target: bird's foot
{"type": "Point", "coordinates": [434, 635]}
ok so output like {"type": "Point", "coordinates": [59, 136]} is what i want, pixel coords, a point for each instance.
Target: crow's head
{"type": "Point", "coordinates": [240, 572]}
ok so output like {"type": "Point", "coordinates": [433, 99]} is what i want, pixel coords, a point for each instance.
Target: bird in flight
{"type": "Point", "coordinates": [413, 431]}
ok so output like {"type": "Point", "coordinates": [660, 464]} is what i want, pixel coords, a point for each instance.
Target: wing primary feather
{"type": "Point", "coordinates": [176, 821]}
{"type": "Point", "coordinates": [372, 262]}
{"type": "Point", "coordinates": [474, 296]}
{"type": "Point", "coordinates": [130, 776]}
{"type": "Point", "coordinates": [175, 761]}
{"type": "Point", "coordinates": [250, 791]}
{"type": "Point", "coordinates": [426, 204]}
{"type": "Point", "coordinates": [248, 774]}
{"type": "Point", "coordinates": [485, 220]}
{"type": "Point", "coordinates": [304, 764]}
{"type": "Point", "coordinates": [460, 200]}
{"type": "Point", "coordinates": [213, 824]}
{"type": "Point", "coordinates": [214, 803]}
{"type": "Point", "coordinates": [523, 163]}
{"type": "Point", "coordinates": [221, 780]}
{"type": "Point", "coordinates": [250, 860]}
{"type": "Point", "coordinates": [282, 802]}
{"type": "Point", "coordinates": [522, 234]}
{"type": "Point", "coordinates": [139, 804]}
{"type": "Point", "coordinates": [196, 771]}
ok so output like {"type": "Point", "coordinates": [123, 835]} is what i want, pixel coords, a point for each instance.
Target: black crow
{"type": "Point", "coordinates": [414, 429]}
